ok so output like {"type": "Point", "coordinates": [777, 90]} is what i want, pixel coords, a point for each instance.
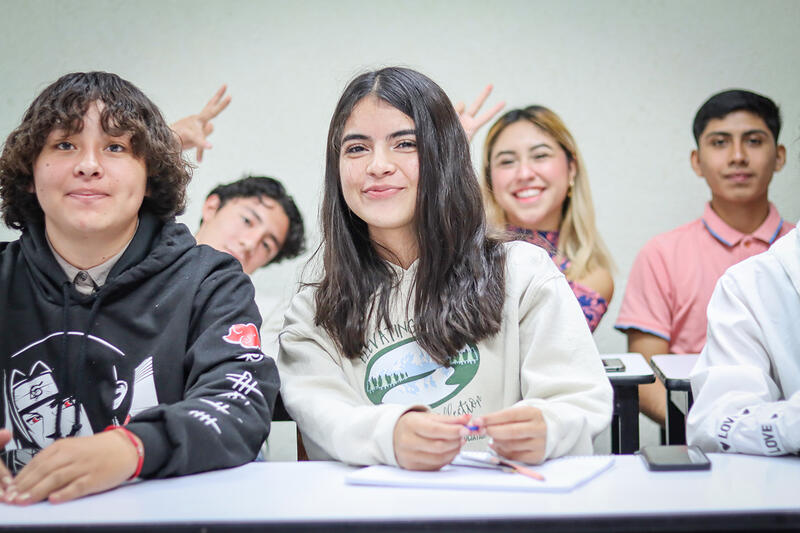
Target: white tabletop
{"type": "Point", "coordinates": [674, 369]}
{"type": "Point", "coordinates": [274, 494]}
{"type": "Point", "coordinates": [636, 368]}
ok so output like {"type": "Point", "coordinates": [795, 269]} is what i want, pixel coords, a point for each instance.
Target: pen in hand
{"type": "Point", "coordinates": [518, 433]}
{"type": "Point", "coordinates": [475, 426]}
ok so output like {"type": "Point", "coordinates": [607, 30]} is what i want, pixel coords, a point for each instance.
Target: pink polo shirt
{"type": "Point", "coordinates": [673, 276]}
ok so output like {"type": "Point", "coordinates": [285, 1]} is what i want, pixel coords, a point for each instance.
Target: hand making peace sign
{"type": "Point", "coordinates": [194, 129]}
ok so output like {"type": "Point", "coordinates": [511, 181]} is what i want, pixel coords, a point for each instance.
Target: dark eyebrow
{"type": "Point", "coordinates": [354, 137]}
{"type": "Point", "coordinates": [362, 137]}
{"type": "Point", "coordinates": [504, 152]}
{"type": "Point", "coordinates": [540, 145]}
{"type": "Point", "coordinates": [401, 133]}
{"type": "Point", "coordinates": [274, 240]}
{"type": "Point", "coordinates": [531, 149]}
{"type": "Point", "coordinates": [253, 212]}
{"type": "Point", "coordinates": [729, 134]}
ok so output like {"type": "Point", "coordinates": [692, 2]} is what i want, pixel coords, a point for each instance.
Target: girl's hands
{"type": "Point", "coordinates": [428, 441]}
{"type": "Point", "coordinates": [518, 433]}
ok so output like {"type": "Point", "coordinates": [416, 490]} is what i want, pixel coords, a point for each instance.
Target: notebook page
{"type": "Point", "coordinates": [561, 475]}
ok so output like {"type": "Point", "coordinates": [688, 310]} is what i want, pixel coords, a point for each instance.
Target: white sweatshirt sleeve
{"type": "Point", "coordinates": [560, 368]}
{"type": "Point", "coordinates": [336, 422]}
{"type": "Point", "coordinates": [738, 406]}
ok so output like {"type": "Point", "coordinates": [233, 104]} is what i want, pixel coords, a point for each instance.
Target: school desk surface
{"type": "Point", "coordinates": [738, 493]}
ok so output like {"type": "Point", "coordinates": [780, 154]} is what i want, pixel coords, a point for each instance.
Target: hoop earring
{"type": "Point", "coordinates": [569, 191]}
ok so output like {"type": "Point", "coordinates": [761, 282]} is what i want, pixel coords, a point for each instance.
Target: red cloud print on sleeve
{"type": "Point", "coordinates": [245, 335]}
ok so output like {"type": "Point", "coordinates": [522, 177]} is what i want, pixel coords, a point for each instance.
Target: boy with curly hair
{"type": "Point", "coordinates": [112, 318]}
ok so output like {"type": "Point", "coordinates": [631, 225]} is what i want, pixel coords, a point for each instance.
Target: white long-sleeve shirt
{"type": "Point", "coordinates": [544, 356]}
{"type": "Point", "coordinates": [747, 381]}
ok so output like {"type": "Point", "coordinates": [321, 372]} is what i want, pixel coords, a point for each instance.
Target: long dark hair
{"type": "Point", "coordinates": [460, 280]}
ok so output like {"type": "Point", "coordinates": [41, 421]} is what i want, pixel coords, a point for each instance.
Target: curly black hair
{"type": "Point", "coordinates": [62, 105]}
{"type": "Point", "coordinates": [258, 186]}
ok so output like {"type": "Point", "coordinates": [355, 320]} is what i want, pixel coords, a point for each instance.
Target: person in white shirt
{"type": "Point", "coordinates": [747, 381]}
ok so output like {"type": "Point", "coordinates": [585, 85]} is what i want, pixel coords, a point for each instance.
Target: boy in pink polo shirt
{"type": "Point", "coordinates": [673, 276]}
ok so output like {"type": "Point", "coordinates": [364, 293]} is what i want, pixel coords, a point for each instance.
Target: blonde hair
{"type": "Point", "coordinates": [578, 239]}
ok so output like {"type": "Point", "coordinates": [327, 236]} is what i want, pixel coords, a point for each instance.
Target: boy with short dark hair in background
{"type": "Point", "coordinates": [673, 276]}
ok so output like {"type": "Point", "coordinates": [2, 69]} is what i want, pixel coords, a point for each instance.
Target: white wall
{"type": "Point", "coordinates": [626, 76]}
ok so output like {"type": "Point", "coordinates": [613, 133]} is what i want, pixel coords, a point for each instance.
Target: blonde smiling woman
{"type": "Point", "coordinates": [535, 185]}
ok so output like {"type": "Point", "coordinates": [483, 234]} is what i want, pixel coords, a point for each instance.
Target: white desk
{"type": "Point", "coordinates": [637, 371]}
{"type": "Point", "coordinates": [738, 492]}
{"type": "Point", "coordinates": [625, 421]}
{"type": "Point", "coordinates": [673, 370]}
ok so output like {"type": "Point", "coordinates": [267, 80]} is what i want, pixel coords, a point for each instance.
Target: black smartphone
{"type": "Point", "coordinates": [15, 460]}
{"type": "Point", "coordinates": [613, 364]}
{"type": "Point", "coordinates": [674, 457]}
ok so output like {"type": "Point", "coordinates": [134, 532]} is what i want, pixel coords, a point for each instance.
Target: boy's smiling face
{"type": "Point", "coordinates": [89, 184]}
{"type": "Point", "coordinates": [737, 155]}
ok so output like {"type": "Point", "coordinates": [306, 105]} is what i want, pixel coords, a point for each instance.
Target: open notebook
{"type": "Point", "coordinates": [561, 475]}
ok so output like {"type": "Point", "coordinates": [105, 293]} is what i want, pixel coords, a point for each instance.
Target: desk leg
{"type": "Point", "coordinates": [676, 422]}
{"type": "Point", "coordinates": [625, 421]}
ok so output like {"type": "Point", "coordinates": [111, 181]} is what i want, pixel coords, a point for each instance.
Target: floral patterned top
{"type": "Point", "coordinates": [592, 304]}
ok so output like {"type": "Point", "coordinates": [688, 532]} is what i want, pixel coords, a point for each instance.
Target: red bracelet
{"type": "Point", "coordinates": [136, 444]}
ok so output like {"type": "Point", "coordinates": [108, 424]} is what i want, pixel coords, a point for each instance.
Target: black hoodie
{"type": "Point", "coordinates": [169, 345]}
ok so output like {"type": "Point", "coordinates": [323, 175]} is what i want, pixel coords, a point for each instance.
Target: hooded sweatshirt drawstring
{"type": "Point", "coordinates": [80, 363]}
{"type": "Point", "coordinates": [66, 382]}
{"type": "Point", "coordinates": [63, 382]}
